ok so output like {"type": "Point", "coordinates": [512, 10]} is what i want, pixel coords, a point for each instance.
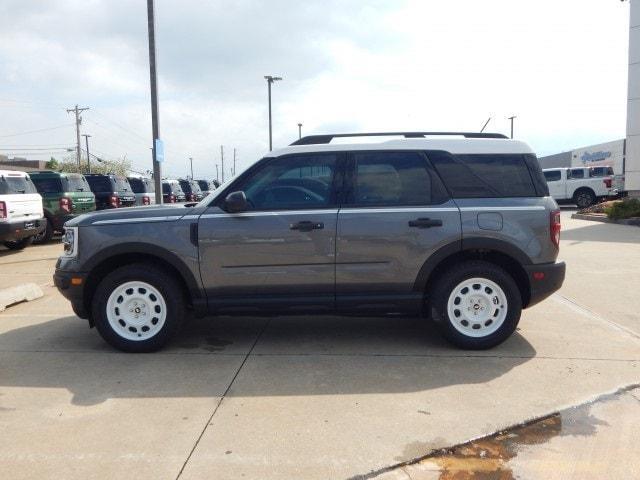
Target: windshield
{"type": "Point", "coordinates": [204, 185]}
{"type": "Point", "coordinates": [185, 185]}
{"type": "Point", "coordinates": [11, 184]}
{"type": "Point", "coordinates": [76, 183]}
{"type": "Point", "coordinates": [141, 185]}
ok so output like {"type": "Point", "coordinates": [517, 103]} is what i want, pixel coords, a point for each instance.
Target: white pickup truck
{"type": "Point", "coordinates": [21, 215]}
{"type": "Point", "coordinates": [581, 185]}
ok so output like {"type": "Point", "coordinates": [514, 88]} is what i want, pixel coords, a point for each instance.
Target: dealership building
{"type": "Point", "coordinates": [609, 154]}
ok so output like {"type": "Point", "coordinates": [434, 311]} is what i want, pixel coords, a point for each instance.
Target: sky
{"type": "Point", "coordinates": [347, 66]}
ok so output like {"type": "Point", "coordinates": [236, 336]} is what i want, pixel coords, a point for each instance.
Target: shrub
{"type": "Point", "coordinates": [625, 209]}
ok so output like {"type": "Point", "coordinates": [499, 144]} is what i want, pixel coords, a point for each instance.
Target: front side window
{"type": "Point", "coordinates": [552, 175]}
{"type": "Point", "coordinates": [391, 178]}
{"type": "Point", "coordinates": [291, 182]}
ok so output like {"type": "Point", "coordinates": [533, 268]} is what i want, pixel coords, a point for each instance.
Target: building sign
{"type": "Point", "coordinates": [588, 157]}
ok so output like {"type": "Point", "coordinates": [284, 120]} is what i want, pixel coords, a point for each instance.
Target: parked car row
{"type": "Point", "coordinates": [35, 206]}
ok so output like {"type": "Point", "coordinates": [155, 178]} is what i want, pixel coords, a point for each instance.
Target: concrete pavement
{"type": "Point", "coordinates": [303, 397]}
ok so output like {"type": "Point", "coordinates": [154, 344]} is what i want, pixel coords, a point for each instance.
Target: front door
{"type": "Point", "coordinates": [282, 250]}
{"type": "Point", "coordinates": [397, 213]}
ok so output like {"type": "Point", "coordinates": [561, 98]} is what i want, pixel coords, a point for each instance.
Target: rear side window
{"type": "Point", "coordinates": [601, 171]}
{"type": "Point", "coordinates": [16, 184]}
{"type": "Point", "coordinates": [204, 185]}
{"type": "Point", "coordinates": [577, 173]}
{"type": "Point", "coordinates": [553, 175]}
{"type": "Point", "coordinates": [485, 175]}
{"type": "Point", "coordinates": [137, 185]}
{"type": "Point", "coordinates": [47, 185]}
{"type": "Point", "coordinates": [392, 178]}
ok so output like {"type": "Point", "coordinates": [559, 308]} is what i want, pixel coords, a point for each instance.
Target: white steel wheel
{"type": "Point", "coordinates": [477, 307]}
{"type": "Point", "coordinates": [136, 311]}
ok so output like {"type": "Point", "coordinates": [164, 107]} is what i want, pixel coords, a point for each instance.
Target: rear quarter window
{"type": "Point", "coordinates": [47, 185]}
{"type": "Point", "coordinates": [10, 185]}
{"type": "Point", "coordinates": [552, 176]}
{"type": "Point", "coordinates": [100, 184]}
{"type": "Point", "coordinates": [487, 175]}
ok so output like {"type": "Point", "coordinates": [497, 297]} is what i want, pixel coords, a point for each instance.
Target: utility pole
{"type": "Point", "coordinates": [86, 142]}
{"type": "Point", "coordinates": [153, 77]}
{"type": "Point", "coordinates": [299, 131]}
{"type": "Point", "coordinates": [77, 111]}
{"type": "Point", "coordinates": [191, 161]}
{"type": "Point", "coordinates": [270, 79]}
{"type": "Point", "coordinates": [511, 118]}
{"type": "Point", "coordinates": [222, 161]}
{"type": "Point", "coordinates": [234, 162]}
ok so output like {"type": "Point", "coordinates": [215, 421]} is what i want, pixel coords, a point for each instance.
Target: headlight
{"type": "Point", "coordinates": [70, 241]}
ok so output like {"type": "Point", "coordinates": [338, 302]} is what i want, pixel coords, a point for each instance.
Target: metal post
{"type": "Point", "coordinates": [270, 79]}
{"type": "Point", "coordinates": [153, 76]}
{"type": "Point", "coordinates": [234, 162]}
{"type": "Point", "coordinates": [86, 142]}
{"type": "Point", "coordinates": [299, 131]}
{"type": "Point", "coordinates": [222, 161]}
{"type": "Point", "coordinates": [217, 176]}
{"type": "Point", "coordinates": [485, 124]}
{"type": "Point", "coordinates": [191, 161]}
{"type": "Point", "coordinates": [511, 118]}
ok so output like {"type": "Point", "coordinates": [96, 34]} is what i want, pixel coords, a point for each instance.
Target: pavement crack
{"type": "Point", "coordinates": [206, 425]}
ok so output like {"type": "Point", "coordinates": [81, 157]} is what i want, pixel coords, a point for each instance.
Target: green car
{"type": "Point", "coordinates": [64, 196]}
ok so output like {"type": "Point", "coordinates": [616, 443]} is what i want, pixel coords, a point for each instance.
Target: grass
{"type": "Point", "coordinates": [627, 208]}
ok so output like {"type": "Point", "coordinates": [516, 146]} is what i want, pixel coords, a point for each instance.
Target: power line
{"type": "Point", "coordinates": [36, 131]}
{"type": "Point", "coordinates": [122, 127]}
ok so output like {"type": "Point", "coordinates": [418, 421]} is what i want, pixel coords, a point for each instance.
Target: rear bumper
{"type": "Point", "coordinates": [13, 231]}
{"type": "Point", "coordinates": [544, 278]}
{"type": "Point", "coordinates": [73, 293]}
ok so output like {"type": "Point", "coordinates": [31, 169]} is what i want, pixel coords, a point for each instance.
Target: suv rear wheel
{"type": "Point", "coordinates": [476, 305]}
{"type": "Point", "coordinates": [138, 308]}
{"type": "Point", "coordinates": [584, 198]}
{"type": "Point", "coordinates": [46, 234]}
{"type": "Point", "coordinates": [18, 244]}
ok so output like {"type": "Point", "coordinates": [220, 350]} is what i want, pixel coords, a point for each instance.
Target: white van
{"type": "Point", "coordinates": [21, 215]}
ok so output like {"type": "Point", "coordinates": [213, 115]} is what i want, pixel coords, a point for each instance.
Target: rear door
{"type": "Point", "coordinates": [281, 251]}
{"type": "Point", "coordinates": [396, 214]}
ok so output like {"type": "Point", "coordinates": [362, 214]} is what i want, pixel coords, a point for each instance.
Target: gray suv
{"type": "Point", "coordinates": [458, 227]}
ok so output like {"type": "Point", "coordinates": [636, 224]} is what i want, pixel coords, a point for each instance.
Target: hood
{"type": "Point", "coordinates": [160, 213]}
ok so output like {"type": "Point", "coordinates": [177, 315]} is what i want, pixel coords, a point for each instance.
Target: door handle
{"type": "Point", "coordinates": [306, 226]}
{"type": "Point", "coordinates": [425, 223]}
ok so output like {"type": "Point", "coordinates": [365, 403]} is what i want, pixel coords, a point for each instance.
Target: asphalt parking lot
{"type": "Point", "coordinates": [324, 397]}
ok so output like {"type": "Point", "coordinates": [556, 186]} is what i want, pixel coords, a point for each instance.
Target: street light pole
{"type": "Point", "coordinates": [191, 161]}
{"type": "Point", "coordinates": [86, 142]}
{"type": "Point", "coordinates": [511, 118]}
{"type": "Point", "coordinates": [217, 176]}
{"type": "Point", "coordinates": [153, 77]}
{"type": "Point", "coordinates": [299, 131]}
{"type": "Point", "coordinates": [270, 79]}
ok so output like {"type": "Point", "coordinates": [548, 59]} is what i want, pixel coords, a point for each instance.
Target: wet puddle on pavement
{"type": "Point", "coordinates": [488, 458]}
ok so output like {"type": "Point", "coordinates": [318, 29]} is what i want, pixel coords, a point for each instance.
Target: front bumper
{"type": "Point", "coordinates": [72, 291]}
{"type": "Point", "coordinates": [544, 279]}
{"type": "Point", "coordinates": [13, 231]}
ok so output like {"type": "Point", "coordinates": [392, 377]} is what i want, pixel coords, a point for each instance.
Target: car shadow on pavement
{"type": "Point", "coordinates": [289, 356]}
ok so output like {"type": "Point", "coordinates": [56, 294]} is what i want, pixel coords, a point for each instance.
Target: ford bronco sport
{"type": "Point", "coordinates": [459, 227]}
{"type": "Point", "coordinates": [21, 217]}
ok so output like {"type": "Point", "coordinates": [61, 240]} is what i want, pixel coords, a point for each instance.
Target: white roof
{"type": "Point", "coordinates": [14, 173]}
{"type": "Point", "coordinates": [452, 145]}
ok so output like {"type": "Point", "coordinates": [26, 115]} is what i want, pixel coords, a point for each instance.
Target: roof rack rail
{"type": "Point", "coordinates": [319, 139]}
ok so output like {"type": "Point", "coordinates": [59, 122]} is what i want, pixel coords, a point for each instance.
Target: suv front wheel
{"type": "Point", "coordinates": [476, 305]}
{"type": "Point", "coordinates": [138, 308]}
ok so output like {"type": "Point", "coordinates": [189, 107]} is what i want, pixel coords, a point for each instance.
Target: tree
{"type": "Point", "coordinates": [120, 166]}
{"type": "Point", "coordinates": [52, 164]}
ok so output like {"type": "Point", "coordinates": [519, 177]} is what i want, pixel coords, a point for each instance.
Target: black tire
{"type": "Point", "coordinates": [45, 235]}
{"type": "Point", "coordinates": [162, 281]}
{"type": "Point", "coordinates": [584, 198]}
{"type": "Point", "coordinates": [450, 279]}
{"type": "Point", "coordinates": [19, 244]}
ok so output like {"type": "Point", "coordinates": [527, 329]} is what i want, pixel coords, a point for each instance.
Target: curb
{"type": "Point", "coordinates": [635, 222]}
{"type": "Point", "coordinates": [20, 293]}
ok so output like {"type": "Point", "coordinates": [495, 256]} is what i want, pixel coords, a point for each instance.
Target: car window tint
{"type": "Point", "coordinates": [391, 178]}
{"type": "Point", "coordinates": [553, 175]}
{"type": "Point", "coordinates": [292, 182]}
{"type": "Point", "coordinates": [484, 175]}
{"type": "Point", "coordinates": [577, 173]}
{"type": "Point", "coordinates": [47, 185]}
{"type": "Point", "coordinates": [99, 184]}
{"type": "Point", "coordinates": [137, 185]}
{"type": "Point", "coordinates": [76, 183]}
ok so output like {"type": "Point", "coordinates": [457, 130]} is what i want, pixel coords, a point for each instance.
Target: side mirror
{"type": "Point", "coordinates": [236, 202]}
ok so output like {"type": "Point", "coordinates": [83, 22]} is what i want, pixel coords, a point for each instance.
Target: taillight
{"type": "Point", "coordinates": [146, 201]}
{"type": "Point", "coordinates": [65, 204]}
{"type": "Point", "coordinates": [3, 210]}
{"type": "Point", "coordinates": [172, 198]}
{"type": "Point", "coordinates": [554, 228]}
{"type": "Point", "coordinates": [114, 201]}
{"type": "Point", "coordinates": [607, 182]}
